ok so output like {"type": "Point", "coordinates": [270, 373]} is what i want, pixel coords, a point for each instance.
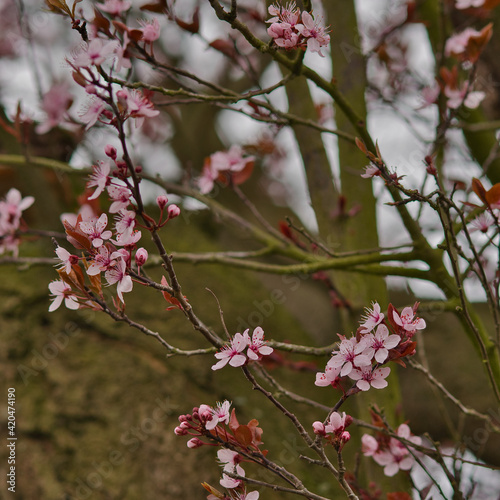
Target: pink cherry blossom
{"type": "Point", "coordinates": [482, 223]}
{"type": "Point", "coordinates": [95, 229]}
{"type": "Point", "coordinates": [397, 456]}
{"type": "Point", "coordinates": [102, 261]}
{"type": "Point", "coordinates": [371, 171]}
{"type": "Point", "coordinates": [67, 259]}
{"type": "Point", "coordinates": [125, 222]}
{"type": "Point", "coordinates": [223, 162]}
{"type": "Point", "coordinates": [229, 482]}
{"type": "Point", "coordinates": [118, 274]}
{"type": "Point", "coordinates": [315, 34]}
{"type": "Point", "coordinates": [216, 415]}
{"type": "Point", "coordinates": [366, 377]}
{"type": "Point", "coordinates": [11, 209]}
{"type": "Point", "coordinates": [319, 428]}
{"type": "Point", "coordinates": [115, 7]}
{"type": "Point", "coordinates": [462, 96]}
{"type": "Point", "coordinates": [127, 239]}
{"type": "Point", "coordinates": [372, 318]}
{"type": "Point", "coordinates": [62, 291]}
{"type": "Point", "coordinates": [150, 30]}
{"type": "Point", "coordinates": [457, 44]}
{"type": "Point", "coordinates": [378, 344]}
{"type": "Point", "coordinates": [230, 460]}
{"type": "Point", "coordinates": [283, 35]}
{"type": "Point", "coordinates": [257, 346]}
{"type": "Point", "coordinates": [232, 353]}
{"type": "Point", "coordinates": [408, 321]}
{"type": "Point", "coordinates": [330, 377]}
{"type": "Point", "coordinates": [252, 495]}
{"type": "Point", "coordinates": [122, 55]}
{"type": "Point", "coordinates": [94, 110]}
{"type": "Point", "coordinates": [350, 355]}
{"type": "Point", "coordinates": [369, 445]}
{"type": "Point", "coordinates": [121, 198]}
{"type": "Point", "coordinates": [99, 178]}
{"type": "Point", "coordinates": [137, 105]}
{"type": "Point", "coordinates": [94, 53]}
{"type": "Point", "coordinates": [288, 14]}
{"type": "Point", "coordinates": [336, 423]}
{"type": "Point", "coordinates": [55, 103]}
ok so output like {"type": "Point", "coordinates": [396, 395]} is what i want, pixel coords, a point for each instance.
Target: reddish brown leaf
{"type": "Point", "coordinates": [493, 195]}
{"type": "Point", "coordinates": [478, 188]}
{"type": "Point", "coordinates": [159, 7]}
{"type": "Point", "coordinates": [224, 46]}
{"type": "Point", "coordinates": [101, 23]}
{"type": "Point", "coordinates": [233, 421]}
{"type": "Point", "coordinates": [243, 435]}
{"type": "Point", "coordinates": [193, 26]}
{"type": "Point", "coordinates": [75, 236]}
{"type": "Point", "coordinates": [216, 493]}
{"type": "Point", "coordinates": [361, 145]}
{"type": "Point", "coordinates": [170, 298]}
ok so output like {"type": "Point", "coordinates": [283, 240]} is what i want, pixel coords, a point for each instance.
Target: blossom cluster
{"type": "Point", "coordinates": [361, 357]}
{"type": "Point", "coordinates": [290, 29]}
{"type": "Point", "coordinates": [227, 167]}
{"type": "Point", "coordinates": [390, 452]}
{"type": "Point", "coordinates": [107, 251]}
{"type": "Point", "coordinates": [334, 429]}
{"type": "Point", "coordinates": [11, 209]}
{"type": "Point", "coordinates": [233, 354]}
{"type": "Point", "coordinates": [219, 426]}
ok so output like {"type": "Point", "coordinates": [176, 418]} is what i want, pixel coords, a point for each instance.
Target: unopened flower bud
{"type": "Point", "coordinates": [345, 437]}
{"type": "Point", "coordinates": [194, 443]}
{"type": "Point", "coordinates": [173, 211]}
{"type": "Point", "coordinates": [141, 256]}
{"type": "Point", "coordinates": [318, 428]}
{"type": "Point", "coordinates": [110, 151]}
{"type": "Point", "coordinates": [91, 89]}
{"type": "Point", "coordinates": [179, 431]}
{"type": "Point", "coordinates": [162, 201]}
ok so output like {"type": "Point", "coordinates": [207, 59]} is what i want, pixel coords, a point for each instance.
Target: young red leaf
{"type": "Point", "coordinates": [478, 188]}
{"type": "Point", "coordinates": [243, 435]}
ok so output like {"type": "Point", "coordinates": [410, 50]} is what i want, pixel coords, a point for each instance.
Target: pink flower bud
{"type": "Point", "coordinates": [173, 211]}
{"type": "Point", "coordinates": [319, 428]}
{"type": "Point", "coordinates": [345, 437]}
{"type": "Point", "coordinates": [91, 89]}
{"type": "Point", "coordinates": [179, 431]}
{"type": "Point", "coordinates": [110, 151]}
{"type": "Point", "coordinates": [141, 256]}
{"type": "Point", "coordinates": [162, 201]}
{"type": "Point", "coordinates": [194, 443]}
